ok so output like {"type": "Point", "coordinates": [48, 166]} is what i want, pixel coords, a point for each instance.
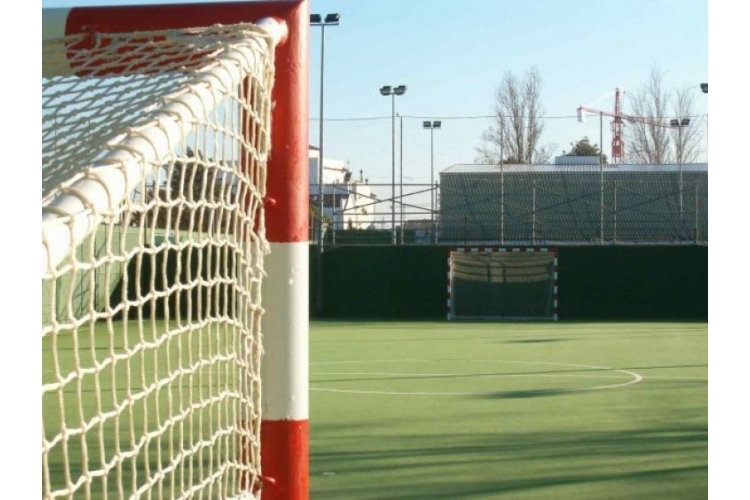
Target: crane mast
{"type": "Point", "coordinates": [618, 124]}
{"type": "Point", "coordinates": [618, 141]}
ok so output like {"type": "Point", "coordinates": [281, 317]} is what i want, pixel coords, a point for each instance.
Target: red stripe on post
{"type": "Point", "coordinates": [126, 18]}
{"type": "Point", "coordinates": [284, 459]}
{"type": "Point", "coordinates": [288, 180]}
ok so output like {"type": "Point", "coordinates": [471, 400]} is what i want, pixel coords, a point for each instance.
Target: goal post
{"type": "Point", "coordinates": [502, 283]}
{"type": "Point", "coordinates": [174, 251]}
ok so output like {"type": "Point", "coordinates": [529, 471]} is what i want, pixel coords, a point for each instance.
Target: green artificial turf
{"type": "Point", "coordinates": [420, 410]}
{"type": "Point", "coordinates": [509, 410]}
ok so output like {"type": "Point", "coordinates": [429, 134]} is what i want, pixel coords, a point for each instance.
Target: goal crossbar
{"type": "Point", "coordinates": [77, 209]}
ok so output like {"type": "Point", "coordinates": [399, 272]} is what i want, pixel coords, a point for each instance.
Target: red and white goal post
{"type": "Point", "coordinates": [175, 252]}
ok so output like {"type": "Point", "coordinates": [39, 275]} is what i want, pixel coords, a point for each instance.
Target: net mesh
{"type": "Point", "coordinates": [502, 285]}
{"type": "Point", "coordinates": [154, 153]}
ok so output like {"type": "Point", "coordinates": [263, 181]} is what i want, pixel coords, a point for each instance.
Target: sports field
{"type": "Point", "coordinates": [509, 410]}
{"type": "Point", "coordinates": [420, 410]}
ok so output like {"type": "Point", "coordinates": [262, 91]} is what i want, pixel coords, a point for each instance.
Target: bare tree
{"type": "Point", "coordinates": [517, 130]}
{"type": "Point", "coordinates": [653, 140]}
{"type": "Point", "coordinates": [686, 137]}
{"type": "Point", "coordinates": [649, 142]}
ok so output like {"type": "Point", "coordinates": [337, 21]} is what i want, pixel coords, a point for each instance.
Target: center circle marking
{"type": "Point", "coordinates": [634, 377]}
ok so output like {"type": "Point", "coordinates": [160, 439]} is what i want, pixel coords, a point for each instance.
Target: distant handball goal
{"type": "Point", "coordinates": [502, 283]}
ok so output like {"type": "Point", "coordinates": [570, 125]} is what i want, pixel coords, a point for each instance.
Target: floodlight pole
{"type": "Point", "coordinates": [432, 125]}
{"type": "Point", "coordinates": [393, 168]}
{"type": "Point", "coordinates": [679, 124]}
{"type": "Point", "coordinates": [317, 20]}
{"type": "Point", "coordinates": [401, 174]}
{"type": "Point", "coordinates": [387, 90]}
{"type": "Point", "coordinates": [601, 177]}
{"type": "Point", "coordinates": [502, 180]}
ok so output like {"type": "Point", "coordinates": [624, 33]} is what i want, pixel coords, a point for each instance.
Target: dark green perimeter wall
{"type": "Point", "coordinates": [595, 283]}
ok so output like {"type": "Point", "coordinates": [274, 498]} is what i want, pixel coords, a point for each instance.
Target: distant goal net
{"type": "Point", "coordinates": [156, 146]}
{"type": "Point", "coordinates": [502, 284]}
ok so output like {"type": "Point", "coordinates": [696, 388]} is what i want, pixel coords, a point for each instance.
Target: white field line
{"type": "Point", "coordinates": [634, 377]}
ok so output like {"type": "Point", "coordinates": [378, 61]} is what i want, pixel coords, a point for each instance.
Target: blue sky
{"type": "Point", "coordinates": [452, 55]}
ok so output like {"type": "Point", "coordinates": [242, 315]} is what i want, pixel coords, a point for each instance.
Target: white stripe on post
{"type": "Point", "coordinates": [53, 23]}
{"type": "Point", "coordinates": [53, 27]}
{"type": "Point", "coordinates": [284, 373]}
{"type": "Point", "coordinates": [286, 332]}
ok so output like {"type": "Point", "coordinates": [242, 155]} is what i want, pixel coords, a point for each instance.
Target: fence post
{"type": "Point", "coordinates": [614, 214]}
{"type": "Point", "coordinates": [533, 213]}
{"type": "Point", "coordinates": [601, 203]}
{"type": "Point", "coordinates": [695, 216]}
{"type": "Point", "coordinates": [502, 203]}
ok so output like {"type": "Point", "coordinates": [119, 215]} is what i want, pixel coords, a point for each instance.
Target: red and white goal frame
{"type": "Point", "coordinates": [284, 372]}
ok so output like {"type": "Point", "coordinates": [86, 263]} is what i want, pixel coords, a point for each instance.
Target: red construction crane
{"type": "Point", "coordinates": [618, 140]}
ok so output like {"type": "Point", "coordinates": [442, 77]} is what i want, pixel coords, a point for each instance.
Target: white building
{"type": "Point", "coordinates": [348, 202]}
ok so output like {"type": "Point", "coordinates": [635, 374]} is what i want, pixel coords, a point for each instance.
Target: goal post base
{"type": "Point", "coordinates": [285, 463]}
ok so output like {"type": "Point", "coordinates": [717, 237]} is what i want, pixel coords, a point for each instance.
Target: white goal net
{"type": "Point", "coordinates": [512, 284]}
{"type": "Point", "coordinates": [154, 151]}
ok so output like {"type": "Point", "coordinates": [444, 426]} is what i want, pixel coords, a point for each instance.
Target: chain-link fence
{"type": "Point", "coordinates": [525, 205]}
{"type": "Point", "coordinates": [376, 214]}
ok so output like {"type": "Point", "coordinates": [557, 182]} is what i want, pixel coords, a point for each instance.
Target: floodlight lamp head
{"type": "Point", "coordinates": [315, 19]}
{"type": "Point", "coordinates": [704, 88]}
{"type": "Point", "coordinates": [685, 122]}
{"type": "Point", "coordinates": [385, 90]}
{"type": "Point", "coordinates": [674, 122]}
{"type": "Point", "coordinates": [400, 90]}
{"type": "Point", "coordinates": [436, 124]}
{"type": "Point", "coordinates": [427, 124]}
{"type": "Point", "coordinates": [333, 18]}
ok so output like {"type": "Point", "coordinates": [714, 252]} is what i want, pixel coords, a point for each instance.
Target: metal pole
{"type": "Point", "coordinates": [601, 179]}
{"type": "Point", "coordinates": [393, 168]}
{"type": "Point", "coordinates": [601, 139]}
{"type": "Point", "coordinates": [695, 218]}
{"type": "Point", "coordinates": [319, 248]}
{"type": "Point", "coordinates": [401, 173]}
{"type": "Point", "coordinates": [533, 213]}
{"type": "Point", "coordinates": [679, 133]}
{"type": "Point", "coordinates": [502, 140]}
{"type": "Point", "coordinates": [614, 237]}
{"type": "Point", "coordinates": [433, 189]}
{"type": "Point", "coordinates": [334, 212]}
{"type": "Point", "coordinates": [502, 185]}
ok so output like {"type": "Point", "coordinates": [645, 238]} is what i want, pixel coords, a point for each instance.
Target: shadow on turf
{"type": "Point", "coordinates": [662, 462]}
{"type": "Point", "coordinates": [531, 393]}
{"type": "Point", "coordinates": [318, 377]}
